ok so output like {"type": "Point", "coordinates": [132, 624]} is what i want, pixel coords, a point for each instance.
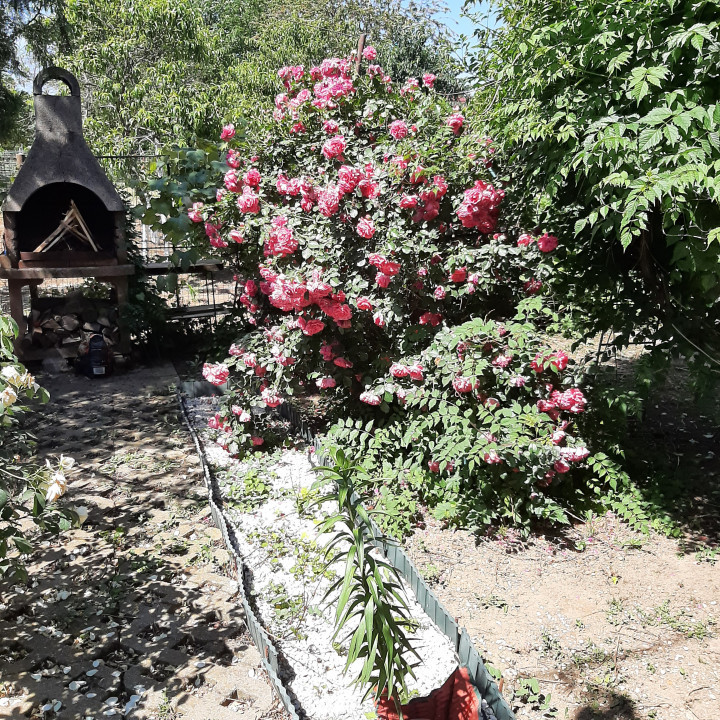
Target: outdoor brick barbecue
{"type": "Point", "coordinates": [63, 217]}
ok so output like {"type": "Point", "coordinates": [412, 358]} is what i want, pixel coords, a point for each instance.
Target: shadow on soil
{"type": "Point", "coordinates": [617, 707]}
{"type": "Point", "coordinates": [673, 455]}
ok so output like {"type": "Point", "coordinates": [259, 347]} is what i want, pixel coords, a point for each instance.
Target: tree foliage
{"type": "Point", "coordinates": [607, 118]}
{"type": "Point", "coordinates": [165, 71]}
{"type": "Point", "coordinates": [28, 29]}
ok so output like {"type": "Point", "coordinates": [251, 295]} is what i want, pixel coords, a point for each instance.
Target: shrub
{"type": "Point", "coordinates": [26, 490]}
{"type": "Point", "coordinates": [608, 122]}
{"type": "Point", "coordinates": [365, 230]}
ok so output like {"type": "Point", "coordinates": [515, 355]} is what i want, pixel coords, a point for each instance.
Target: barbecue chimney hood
{"type": "Point", "coordinates": [59, 153]}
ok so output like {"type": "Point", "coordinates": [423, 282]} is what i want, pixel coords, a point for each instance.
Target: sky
{"type": "Point", "coordinates": [452, 18]}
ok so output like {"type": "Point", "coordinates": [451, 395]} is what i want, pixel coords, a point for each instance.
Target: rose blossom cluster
{"type": "Point", "coordinates": [480, 207]}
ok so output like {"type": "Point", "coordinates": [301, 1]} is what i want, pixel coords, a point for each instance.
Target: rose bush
{"type": "Point", "coordinates": [27, 491]}
{"type": "Point", "coordinates": [363, 224]}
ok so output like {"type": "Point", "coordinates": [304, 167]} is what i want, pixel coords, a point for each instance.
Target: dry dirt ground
{"type": "Point", "coordinates": [625, 629]}
{"type": "Point", "coordinates": [137, 613]}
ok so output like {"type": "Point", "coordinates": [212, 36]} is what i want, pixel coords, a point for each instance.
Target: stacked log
{"type": "Point", "coordinates": [68, 323]}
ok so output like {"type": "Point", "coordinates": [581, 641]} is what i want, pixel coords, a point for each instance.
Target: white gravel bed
{"type": "Point", "coordinates": [283, 549]}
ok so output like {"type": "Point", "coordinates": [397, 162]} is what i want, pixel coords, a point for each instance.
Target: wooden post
{"type": "Point", "coordinates": [361, 47]}
{"type": "Point", "coordinates": [19, 159]}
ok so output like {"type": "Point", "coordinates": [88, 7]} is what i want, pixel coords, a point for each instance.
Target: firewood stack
{"type": "Point", "coordinates": [67, 323]}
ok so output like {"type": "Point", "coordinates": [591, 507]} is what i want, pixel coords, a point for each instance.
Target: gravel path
{"type": "Point", "coordinates": [267, 498]}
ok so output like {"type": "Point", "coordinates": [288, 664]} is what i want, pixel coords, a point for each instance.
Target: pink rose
{"type": "Point", "coordinates": [433, 466]}
{"type": "Point", "coordinates": [379, 319]}
{"type": "Point", "coordinates": [343, 363]}
{"type": "Point", "coordinates": [325, 382]}
{"type": "Point", "coordinates": [573, 454]}
{"type": "Point", "coordinates": [311, 327]}
{"type": "Point", "coordinates": [270, 398]}
{"type": "Point", "coordinates": [194, 212]}
{"type": "Point", "coordinates": [399, 371]}
{"type": "Point", "coordinates": [348, 178]}
{"type": "Point", "coordinates": [370, 398]}
{"type": "Point", "coordinates": [439, 292]}
{"type": "Point", "coordinates": [525, 239]}
{"type": "Point", "coordinates": [532, 287]}
{"type": "Point", "coordinates": [416, 372]}
{"type": "Point", "coordinates": [382, 279]}
{"type": "Point", "coordinates": [369, 189]}
{"type": "Point", "coordinates": [502, 361]}
{"type": "Point", "coordinates": [252, 177]}
{"type": "Point", "coordinates": [329, 200]}
{"type": "Point", "coordinates": [459, 275]}
{"type": "Point", "coordinates": [429, 80]}
{"type": "Point", "coordinates": [455, 122]}
{"type": "Point", "coordinates": [547, 243]}
{"type": "Point", "coordinates": [248, 202]}
{"type": "Point", "coordinates": [257, 441]}
{"type": "Point", "coordinates": [331, 127]}
{"type": "Point", "coordinates": [369, 53]}
{"type": "Point", "coordinates": [216, 374]}
{"type": "Point", "coordinates": [228, 132]}
{"type": "Point", "coordinates": [492, 458]}
{"type": "Point", "coordinates": [408, 201]}
{"type": "Point", "coordinates": [561, 466]}
{"type": "Point", "coordinates": [432, 319]}
{"type": "Point", "coordinates": [236, 236]}
{"type": "Point", "coordinates": [462, 384]}
{"type": "Point", "coordinates": [334, 147]}
{"type": "Point", "coordinates": [388, 267]}
{"type": "Point", "coordinates": [366, 228]}
{"type": "Point", "coordinates": [242, 415]}
{"type": "Point", "coordinates": [557, 360]}
{"type": "Point", "coordinates": [398, 129]}
{"type": "Point", "coordinates": [363, 303]}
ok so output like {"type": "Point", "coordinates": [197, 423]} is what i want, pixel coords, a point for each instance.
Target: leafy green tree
{"type": "Point", "coordinates": [31, 28]}
{"type": "Point", "coordinates": [606, 116]}
{"type": "Point", "coordinates": [148, 71]}
{"type": "Point", "coordinates": [166, 71]}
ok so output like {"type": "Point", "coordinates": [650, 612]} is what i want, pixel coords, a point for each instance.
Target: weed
{"type": "Point", "coordinates": [527, 692]}
{"type": "Point", "coordinates": [708, 555]}
{"type": "Point", "coordinates": [615, 612]}
{"type": "Point", "coordinates": [551, 647]}
{"type": "Point", "coordinates": [432, 573]}
{"type": "Point", "coordinates": [115, 537]}
{"type": "Point", "coordinates": [287, 610]}
{"type": "Point", "coordinates": [253, 492]}
{"type": "Point", "coordinates": [310, 562]}
{"type": "Point", "coordinates": [633, 544]}
{"type": "Point", "coordinates": [677, 621]}
{"type": "Point", "coordinates": [165, 710]}
{"type": "Point", "coordinates": [488, 601]}
{"type": "Point", "coordinates": [591, 654]}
